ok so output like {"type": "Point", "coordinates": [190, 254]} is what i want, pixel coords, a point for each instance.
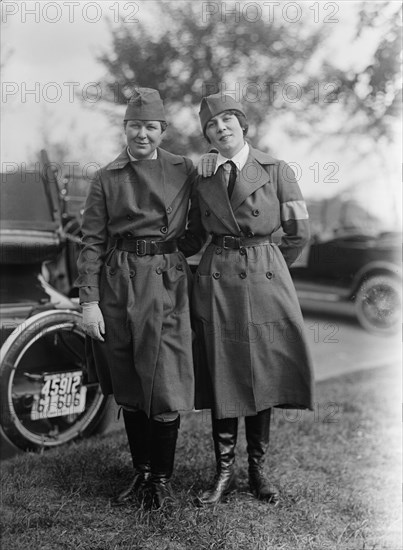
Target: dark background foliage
{"type": "Point", "coordinates": [186, 56]}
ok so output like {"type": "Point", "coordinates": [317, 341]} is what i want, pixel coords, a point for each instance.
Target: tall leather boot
{"type": "Point", "coordinates": [137, 427]}
{"type": "Point", "coordinates": [163, 445]}
{"type": "Point", "coordinates": [225, 432]}
{"type": "Point", "coordinates": [257, 430]}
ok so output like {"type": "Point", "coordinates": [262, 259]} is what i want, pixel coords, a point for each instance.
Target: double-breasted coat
{"type": "Point", "coordinates": [252, 353]}
{"type": "Point", "coordinates": [146, 359]}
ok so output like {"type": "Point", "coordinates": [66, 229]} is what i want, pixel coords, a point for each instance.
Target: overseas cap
{"type": "Point", "coordinates": [215, 104]}
{"type": "Point", "coordinates": [145, 104]}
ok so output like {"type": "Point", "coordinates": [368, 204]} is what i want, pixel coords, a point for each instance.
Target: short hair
{"type": "Point", "coordinates": [164, 125]}
{"type": "Point", "coordinates": [243, 122]}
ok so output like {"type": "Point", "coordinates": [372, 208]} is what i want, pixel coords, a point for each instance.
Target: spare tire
{"type": "Point", "coordinates": [45, 395]}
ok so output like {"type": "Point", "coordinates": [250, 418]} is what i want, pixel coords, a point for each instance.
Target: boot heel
{"type": "Point", "coordinates": [222, 487]}
{"type": "Point", "coordinates": [262, 489]}
{"type": "Point", "coordinates": [135, 489]}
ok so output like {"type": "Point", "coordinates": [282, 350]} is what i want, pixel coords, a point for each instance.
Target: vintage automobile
{"type": "Point", "coordinates": [357, 269]}
{"type": "Point", "coordinates": [46, 399]}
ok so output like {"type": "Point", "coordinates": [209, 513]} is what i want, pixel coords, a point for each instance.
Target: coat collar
{"type": "Point", "coordinates": [261, 157]}
{"type": "Point", "coordinates": [213, 190]}
{"type": "Point", "coordinates": [252, 176]}
{"type": "Point", "coordinates": [123, 158]}
{"type": "Point", "coordinates": [172, 178]}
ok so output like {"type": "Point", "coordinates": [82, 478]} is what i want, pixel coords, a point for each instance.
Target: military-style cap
{"type": "Point", "coordinates": [215, 104]}
{"type": "Point", "coordinates": [145, 104]}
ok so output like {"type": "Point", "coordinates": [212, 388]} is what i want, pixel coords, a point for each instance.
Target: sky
{"type": "Point", "coordinates": [49, 52]}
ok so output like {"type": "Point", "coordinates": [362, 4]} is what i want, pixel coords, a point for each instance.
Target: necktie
{"type": "Point", "coordinates": [230, 176]}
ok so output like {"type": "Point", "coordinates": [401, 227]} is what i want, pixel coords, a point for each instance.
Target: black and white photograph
{"type": "Point", "coordinates": [201, 275]}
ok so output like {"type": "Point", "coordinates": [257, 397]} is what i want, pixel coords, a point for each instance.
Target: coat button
{"type": "Point", "coordinates": [269, 274]}
{"type": "Point", "coordinates": [218, 250]}
{"type": "Point", "coordinates": [128, 235]}
{"type": "Point", "coordinates": [169, 209]}
{"type": "Point", "coordinates": [179, 267]}
{"type": "Point", "coordinates": [256, 212]}
{"type": "Point", "coordinates": [243, 275]}
{"type": "Point", "coordinates": [216, 275]}
{"type": "Point", "coordinates": [242, 250]}
{"type": "Point", "coordinates": [132, 273]}
{"type": "Point", "coordinates": [207, 213]}
{"type": "Point", "coordinates": [250, 234]}
{"type": "Point", "coordinates": [158, 270]}
{"type": "Point", "coordinates": [164, 229]}
{"type": "Point", "coordinates": [129, 217]}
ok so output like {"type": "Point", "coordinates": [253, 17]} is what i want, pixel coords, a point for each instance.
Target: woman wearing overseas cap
{"type": "Point", "coordinates": [134, 286]}
{"type": "Point", "coordinates": [251, 349]}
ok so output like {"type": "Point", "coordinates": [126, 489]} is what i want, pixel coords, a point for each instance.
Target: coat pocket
{"type": "Point", "coordinates": [177, 288]}
{"type": "Point", "coordinates": [114, 292]}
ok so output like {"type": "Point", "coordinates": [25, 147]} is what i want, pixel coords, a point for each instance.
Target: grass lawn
{"type": "Point", "coordinates": [338, 469]}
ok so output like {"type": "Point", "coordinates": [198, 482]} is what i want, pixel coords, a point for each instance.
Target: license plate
{"type": "Point", "coordinates": [62, 394]}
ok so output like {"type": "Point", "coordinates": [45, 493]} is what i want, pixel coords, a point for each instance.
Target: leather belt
{"type": "Point", "coordinates": [147, 247]}
{"type": "Point", "coordinates": [234, 242]}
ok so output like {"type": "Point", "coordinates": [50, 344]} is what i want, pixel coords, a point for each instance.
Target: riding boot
{"type": "Point", "coordinates": [163, 445]}
{"type": "Point", "coordinates": [225, 432]}
{"type": "Point", "coordinates": [257, 429]}
{"type": "Point", "coordinates": [137, 427]}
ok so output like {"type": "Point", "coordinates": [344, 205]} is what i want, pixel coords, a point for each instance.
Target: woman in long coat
{"type": "Point", "coordinates": [252, 353]}
{"type": "Point", "coordinates": [134, 286]}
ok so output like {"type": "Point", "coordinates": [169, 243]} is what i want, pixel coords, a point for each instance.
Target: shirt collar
{"type": "Point", "coordinates": [240, 158]}
{"type": "Point", "coordinates": [154, 156]}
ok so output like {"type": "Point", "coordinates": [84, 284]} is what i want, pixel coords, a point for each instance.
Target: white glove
{"type": "Point", "coordinates": [206, 165]}
{"type": "Point", "coordinates": [93, 320]}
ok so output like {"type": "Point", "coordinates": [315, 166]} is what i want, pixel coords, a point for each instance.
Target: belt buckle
{"type": "Point", "coordinates": [141, 247]}
{"type": "Point", "coordinates": [234, 240]}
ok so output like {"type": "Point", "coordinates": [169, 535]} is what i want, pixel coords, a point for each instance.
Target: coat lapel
{"type": "Point", "coordinates": [173, 183]}
{"type": "Point", "coordinates": [252, 176]}
{"type": "Point", "coordinates": [119, 162]}
{"type": "Point", "coordinates": [213, 191]}
{"type": "Point", "coordinates": [168, 166]}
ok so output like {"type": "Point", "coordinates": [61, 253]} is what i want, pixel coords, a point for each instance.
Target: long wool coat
{"type": "Point", "coordinates": [146, 359]}
{"type": "Point", "coordinates": [251, 350]}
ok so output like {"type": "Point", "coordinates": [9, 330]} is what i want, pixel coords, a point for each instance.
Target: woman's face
{"type": "Point", "coordinates": [225, 133]}
{"type": "Point", "coordinates": [143, 137]}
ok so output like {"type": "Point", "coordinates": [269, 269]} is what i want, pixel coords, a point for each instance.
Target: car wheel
{"type": "Point", "coordinates": [45, 394]}
{"type": "Point", "coordinates": [378, 304]}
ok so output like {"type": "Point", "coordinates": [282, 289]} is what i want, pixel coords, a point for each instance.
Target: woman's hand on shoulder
{"type": "Point", "coordinates": [206, 165]}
